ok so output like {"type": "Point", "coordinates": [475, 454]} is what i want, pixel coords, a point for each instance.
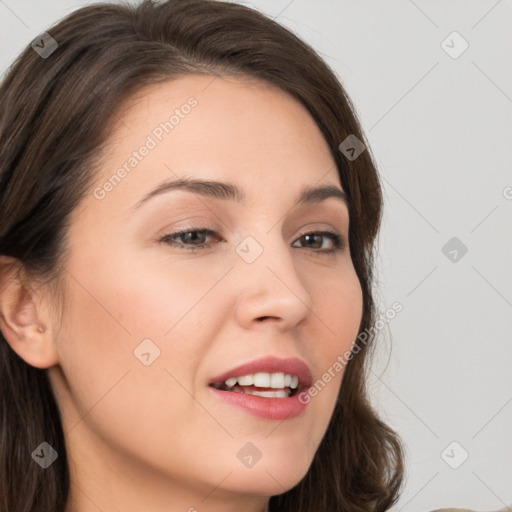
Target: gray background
{"type": "Point", "coordinates": [440, 130]}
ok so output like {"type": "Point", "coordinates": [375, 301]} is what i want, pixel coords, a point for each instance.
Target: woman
{"type": "Point", "coordinates": [145, 369]}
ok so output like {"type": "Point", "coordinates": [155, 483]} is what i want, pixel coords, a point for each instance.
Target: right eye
{"type": "Point", "coordinates": [197, 242]}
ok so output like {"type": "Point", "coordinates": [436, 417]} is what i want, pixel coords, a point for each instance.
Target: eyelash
{"type": "Point", "coordinates": [338, 240]}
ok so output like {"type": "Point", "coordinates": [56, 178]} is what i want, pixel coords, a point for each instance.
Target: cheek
{"type": "Point", "coordinates": [113, 393]}
{"type": "Point", "coordinates": [113, 309]}
{"type": "Point", "coordinates": [140, 297]}
{"type": "Point", "coordinates": [338, 314]}
{"type": "Point", "coordinates": [339, 308]}
{"type": "Point", "coordinates": [157, 298]}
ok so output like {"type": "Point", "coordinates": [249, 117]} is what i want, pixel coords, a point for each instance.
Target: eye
{"type": "Point", "coordinates": [193, 239]}
{"type": "Point", "coordinates": [318, 237]}
{"type": "Point", "coordinates": [190, 240]}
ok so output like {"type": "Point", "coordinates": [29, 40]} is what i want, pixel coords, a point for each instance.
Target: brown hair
{"type": "Point", "coordinates": [55, 115]}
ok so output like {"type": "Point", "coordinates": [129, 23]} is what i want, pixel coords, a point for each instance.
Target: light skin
{"type": "Point", "coordinates": [154, 437]}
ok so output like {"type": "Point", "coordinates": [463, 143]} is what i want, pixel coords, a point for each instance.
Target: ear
{"type": "Point", "coordinates": [24, 321]}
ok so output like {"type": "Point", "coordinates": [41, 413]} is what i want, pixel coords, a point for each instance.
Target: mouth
{"type": "Point", "coordinates": [266, 385]}
{"type": "Point", "coordinates": [267, 388]}
{"type": "Point", "coordinates": [267, 377]}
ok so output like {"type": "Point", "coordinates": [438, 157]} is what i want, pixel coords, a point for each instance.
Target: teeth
{"type": "Point", "coordinates": [246, 380]}
{"type": "Point", "coordinates": [277, 380]}
{"type": "Point", "coordinates": [231, 382]}
{"type": "Point", "coordinates": [269, 394]}
{"type": "Point", "coordinates": [261, 380]}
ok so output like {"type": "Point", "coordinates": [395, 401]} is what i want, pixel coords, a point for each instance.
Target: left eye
{"type": "Point", "coordinates": [190, 241]}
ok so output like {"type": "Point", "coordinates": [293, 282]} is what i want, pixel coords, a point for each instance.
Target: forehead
{"type": "Point", "coordinates": [218, 112]}
{"type": "Point", "coordinates": [234, 129]}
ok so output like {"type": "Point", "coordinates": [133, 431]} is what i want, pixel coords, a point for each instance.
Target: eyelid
{"type": "Point", "coordinates": [188, 226]}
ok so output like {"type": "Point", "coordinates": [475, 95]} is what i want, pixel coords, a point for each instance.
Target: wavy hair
{"type": "Point", "coordinates": [55, 117]}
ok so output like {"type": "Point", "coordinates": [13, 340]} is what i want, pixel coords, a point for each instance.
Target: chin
{"type": "Point", "coordinates": [274, 477]}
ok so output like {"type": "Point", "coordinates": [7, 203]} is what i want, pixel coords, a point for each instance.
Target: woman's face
{"type": "Point", "coordinates": [149, 320]}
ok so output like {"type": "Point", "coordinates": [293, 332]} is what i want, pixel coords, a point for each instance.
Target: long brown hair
{"type": "Point", "coordinates": [55, 115]}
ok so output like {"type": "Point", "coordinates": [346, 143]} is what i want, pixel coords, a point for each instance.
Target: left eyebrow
{"type": "Point", "coordinates": [230, 191]}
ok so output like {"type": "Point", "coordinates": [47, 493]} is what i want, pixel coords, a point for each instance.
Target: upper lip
{"type": "Point", "coordinates": [270, 364]}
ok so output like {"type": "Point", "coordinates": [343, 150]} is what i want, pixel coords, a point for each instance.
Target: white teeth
{"type": "Point", "coordinates": [269, 394]}
{"type": "Point", "coordinates": [261, 380]}
{"type": "Point", "coordinates": [246, 380]}
{"type": "Point", "coordinates": [278, 380]}
{"type": "Point", "coordinates": [231, 382]}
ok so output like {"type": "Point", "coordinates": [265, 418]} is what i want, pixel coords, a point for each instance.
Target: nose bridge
{"type": "Point", "coordinates": [269, 284]}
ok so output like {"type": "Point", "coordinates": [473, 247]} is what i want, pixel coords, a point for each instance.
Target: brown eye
{"type": "Point", "coordinates": [315, 241]}
{"type": "Point", "coordinates": [188, 239]}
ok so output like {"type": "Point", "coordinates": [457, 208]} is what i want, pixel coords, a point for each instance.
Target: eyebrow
{"type": "Point", "coordinates": [230, 191]}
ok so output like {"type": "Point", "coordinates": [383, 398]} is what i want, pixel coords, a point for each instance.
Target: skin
{"type": "Point", "coordinates": [154, 437]}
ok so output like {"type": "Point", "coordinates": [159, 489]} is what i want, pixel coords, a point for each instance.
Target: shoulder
{"type": "Point", "coordinates": [453, 510]}
{"type": "Point", "coordinates": [504, 509]}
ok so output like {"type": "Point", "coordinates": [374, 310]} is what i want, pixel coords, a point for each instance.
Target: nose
{"type": "Point", "coordinates": [270, 289]}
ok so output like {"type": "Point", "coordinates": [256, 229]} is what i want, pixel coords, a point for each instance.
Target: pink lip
{"type": "Point", "coordinates": [268, 408]}
{"type": "Point", "coordinates": [270, 364]}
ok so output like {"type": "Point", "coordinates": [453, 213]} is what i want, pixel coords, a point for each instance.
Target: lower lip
{"type": "Point", "coordinates": [268, 408]}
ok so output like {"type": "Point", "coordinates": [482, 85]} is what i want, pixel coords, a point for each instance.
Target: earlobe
{"type": "Point", "coordinates": [23, 322]}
